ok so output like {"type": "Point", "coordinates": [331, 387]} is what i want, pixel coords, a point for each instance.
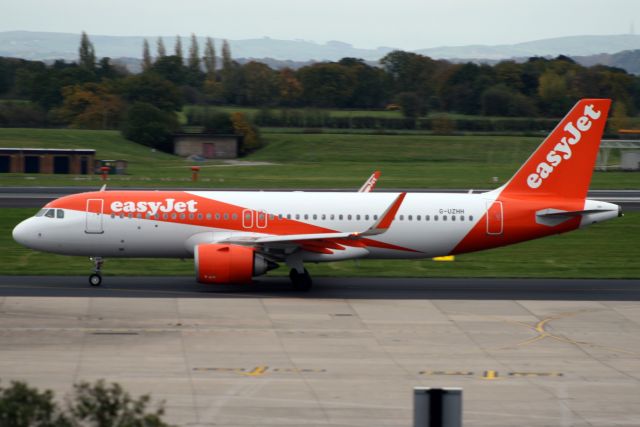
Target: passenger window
{"type": "Point", "coordinates": [401, 217]}
{"type": "Point", "coordinates": [306, 216]}
{"type": "Point", "coordinates": [288, 216]}
{"type": "Point", "coordinates": [166, 216]}
{"type": "Point", "coordinates": [427, 217]}
{"type": "Point", "coordinates": [226, 216]}
{"type": "Point", "coordinates": [375, 217]}
{"type": "Point", "coordinates": [208, 216]}
{"type": "Point", "coordinates": [297, 216]}
{"type": "Point", "coordinates": [349, 217]}
{"type": "Point", "coordinates": [435, 217]}
{"type": "Point", "coordinates": [324, 217]}
{"type": "Point", "coordinates": [340, 217]}
{"type": "Point", "coordinates": [199, 216]}
{"type": "Point", "coordinates": [182, 216]}
{"type": "Point", "coordinates": [217, 216]}
{"type": "Point", "coordinates": [234, 216]}
{"type": "Point", "coordinates": [113, 215]}
{"type": "Point", "coordinates": [366, 217]}
{"type": "Point", "coordinates": [59, 213]}
{"type": "Point", "coordinates": [470, 217]}
{"type": "Point", "coordinates": [332, 217]}
{"type": "Point", "coordinates": [418, 217]}
{"type": "Point", "coordinates": [50, 213]}
{"type": "Point", "coordinates": [140, 216]}
{"type": "Point", "coordinates": [453, 217]}
{"type": "Point", "coordinates": [410, 218]}
{"type": "Point", "coordinates": [358, 217]}
{"type": "Point", "coordinates": [444, 217]}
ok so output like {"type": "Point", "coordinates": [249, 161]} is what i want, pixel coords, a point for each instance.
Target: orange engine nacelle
{"type": "Point", "coordinates": [229, 263]}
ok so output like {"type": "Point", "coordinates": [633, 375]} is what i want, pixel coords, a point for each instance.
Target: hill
{"type": "Point", "coordinates": [628, 60]}
{"type": "Point", "coordinates": [46, 45]}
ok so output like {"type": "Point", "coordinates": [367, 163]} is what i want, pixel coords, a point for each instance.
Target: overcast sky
{"type": "Point", "coordinates": [408, 24]}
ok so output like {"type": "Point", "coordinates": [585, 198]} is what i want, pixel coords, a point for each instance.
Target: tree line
{"type": "Point", "coordinates": [95, 93]}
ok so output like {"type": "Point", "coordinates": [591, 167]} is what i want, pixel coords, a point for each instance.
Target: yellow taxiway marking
{"type": "Point", "coordinates": [257, 371]}
{"type": "Point", "coordinates": [490, 375]}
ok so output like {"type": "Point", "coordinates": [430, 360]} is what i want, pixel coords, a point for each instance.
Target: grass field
{"type": "Point", "coordinates": [608, 250]}
{"type": "Point", "coordinates": [306, 161]}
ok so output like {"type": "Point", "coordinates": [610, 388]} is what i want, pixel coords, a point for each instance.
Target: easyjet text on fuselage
{"type": "Point", "coordinates": [168, 205]}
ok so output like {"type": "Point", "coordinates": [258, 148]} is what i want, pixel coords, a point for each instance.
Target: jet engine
{"type": "Point", "coordinates": [229, 263]}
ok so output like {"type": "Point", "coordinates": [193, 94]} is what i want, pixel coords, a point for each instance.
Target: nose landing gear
{"type": "Point", "coordinates": [96, 278]}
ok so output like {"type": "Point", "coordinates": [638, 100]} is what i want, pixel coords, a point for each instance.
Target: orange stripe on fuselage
{"type": "Point", "coordinates": [203, 206]}
{"type": "Point", "coordinates": [519, 223]}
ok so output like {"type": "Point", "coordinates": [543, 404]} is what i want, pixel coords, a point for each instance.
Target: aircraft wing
{"type": "Point", "coordinates": [322, 242]}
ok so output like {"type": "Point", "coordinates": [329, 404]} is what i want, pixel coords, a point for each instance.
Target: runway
{"type": "Point", "coordinates": [527, 352]}
{"type": "Point", "coordinates": [35, 197]}
{"type": "Point", "coordinates": [328, 288]}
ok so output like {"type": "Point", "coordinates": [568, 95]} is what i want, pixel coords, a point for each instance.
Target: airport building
{"type": "Point", "coordinates": [44, 160]}
{"type": "Point", "coordinates": [208, 146]}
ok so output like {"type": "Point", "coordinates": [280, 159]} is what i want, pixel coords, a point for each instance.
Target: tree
{"type": "Point", "coordinates": [91, 106]}
{"type": "Point", "coordinates": [153, 89]}
{"type": "Point", "coordinates": [178, 49]}
{"type": "Point", "coordinates": [170, 68]}
{"type": "Point", "coordinates": [552, 90]}
{"type": "Point", "coordinates": [146, 56]}
{"type": "Point", "coordinates": [210, 59]}
{"type": "Point", "coordinates": [194, 73]}
{"type": "Point", "coordinates": [109, 405]}
{"type": "Point", "coordinates": [500, 100]}
{"type": "Point", "coordinates": [230, 76]}
{"type": "Point", "coordinates": [261, 84]}
{"type": "Point", "coordinates": [87, 53]}
{"type": "Point", "coordinates": [90, 405]}
{"type": "Point", "coordinates": [162, 51]}
{"type": "Point", "coordinates": [24, 406]}
{"type": "Point", "coordinates": [370, 88]}
{"type": "Point", "coordinates": [227, 62]}
{"type": "Point", "coordinates": [326, 85]}
{"type": "Point", "coordinates": [410, 104]}
{"type": "Point", "coordinates": [151, 126]}
{"type": "Point", "coordinates": [251, 137]}
{"type": "Point", "coordinates": [194, 54]}
{"type": "Point", "coordinates": [289, 88]}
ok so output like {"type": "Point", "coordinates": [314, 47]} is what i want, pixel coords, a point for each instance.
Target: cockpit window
{"type": "Point", "coordinates": [59, 213]}
{"type": "Point", "coordinates": [41, 212]}
{"type": "Point", "coordinates": [51, 213]}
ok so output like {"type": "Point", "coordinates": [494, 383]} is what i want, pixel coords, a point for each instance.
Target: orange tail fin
{"type": "Point", "coordinates": [563, 164]}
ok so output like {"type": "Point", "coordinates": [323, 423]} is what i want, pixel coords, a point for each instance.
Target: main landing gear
{"type": "Point", "coordinates": [300, 281]}
{"type": "Point", "coordinates": [96, 278]}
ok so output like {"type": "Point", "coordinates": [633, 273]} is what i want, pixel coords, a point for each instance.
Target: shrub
{"type": "Point", "coordinates": [151, 126]}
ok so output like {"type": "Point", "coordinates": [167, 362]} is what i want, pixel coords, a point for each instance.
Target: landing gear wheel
{"type": "Point", "coordinates": [300, 281]}
{"type": "Point", "coordinates": [95, 280]}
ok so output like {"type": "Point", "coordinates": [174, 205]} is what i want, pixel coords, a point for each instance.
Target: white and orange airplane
{"type": "Point", "coordinates": [234, 236]}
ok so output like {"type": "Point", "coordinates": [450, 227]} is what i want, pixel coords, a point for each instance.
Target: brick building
{"type": "Point", "coordinates": [44, 160]}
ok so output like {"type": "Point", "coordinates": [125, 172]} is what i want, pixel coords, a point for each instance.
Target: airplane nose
{"type": "Point", "coordinates": [21, 234]}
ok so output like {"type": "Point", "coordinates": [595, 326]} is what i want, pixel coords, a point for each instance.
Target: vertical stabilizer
{"type": "Point", "coordinates": [563, 164]}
